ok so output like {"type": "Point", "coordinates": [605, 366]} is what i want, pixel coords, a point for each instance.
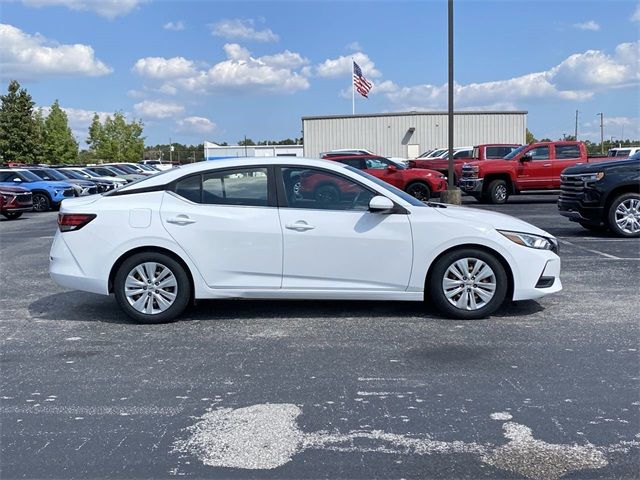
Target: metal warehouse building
{"type": "Point", "coordinates": [409, 134]}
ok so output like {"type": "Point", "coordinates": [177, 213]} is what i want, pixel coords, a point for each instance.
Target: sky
{"type": "Point", "coordinates": [217, 71]}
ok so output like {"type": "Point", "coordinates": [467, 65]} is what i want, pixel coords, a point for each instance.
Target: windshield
{"type": "Point", "coordinates": [396, 191]}
{"type": "Point", "coordinates": [435, 153]}
{"type": "Point", "coordinates": [515, 152]}
{"type": "Point", "coordinates": [28, 176]}
{"type": "Point", "coordinates": [55, 174]}
{"type": "Point", "coordinates": [400, 165]}
{"type": "Point", "coordinates": [125, 168]}
{"type": "Point", "coordinates": [88, 172]}
{"type": "Point", "coordinates": [117, 170]}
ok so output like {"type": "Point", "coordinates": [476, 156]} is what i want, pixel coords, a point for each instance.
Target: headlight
{"type": "Point", "coordinates": [529, 240]}
{"type": "Point", "coordinates": [593, 177]}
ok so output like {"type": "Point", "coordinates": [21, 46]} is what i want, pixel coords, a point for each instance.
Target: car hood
{"type": "Point", "coordinates": [499, 221]}
{"type": "Point", "coordinates": [597, 166]}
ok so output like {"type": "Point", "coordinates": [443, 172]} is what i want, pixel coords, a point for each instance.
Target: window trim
{"type": "Point", "coordinates": [271, 187]}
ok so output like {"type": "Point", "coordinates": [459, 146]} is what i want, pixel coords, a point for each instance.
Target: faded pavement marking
{"type": "Point", "coordinates": [267, 436]}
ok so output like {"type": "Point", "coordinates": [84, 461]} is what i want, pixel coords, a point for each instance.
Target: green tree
{"type": "Point", "coordinates": [115, 139]}
{"type": "Point", "coordinates": [246, 141]}
{"type": "Point", "coordinates": [17, 126]}
{"type": "Point", "coordinates": [530, 137]}
{"type": "Point", "coordinates": [59, 144]}
{"type": "Point", "coordinates": [39, 133]}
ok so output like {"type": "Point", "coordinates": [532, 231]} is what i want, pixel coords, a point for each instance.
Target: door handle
{"type": "Point", "coordinates": [546, 165]}
{"type": "Point", "coordinates": [300, 226]}
{"type": "Point", "coordinates": [180, 220]}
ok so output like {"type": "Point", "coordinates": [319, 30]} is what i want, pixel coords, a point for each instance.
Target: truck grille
{"type": "Point", "coordinates": [571, 187]}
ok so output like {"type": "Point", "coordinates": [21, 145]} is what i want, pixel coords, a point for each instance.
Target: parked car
{"type": "Point", "coordinates": [239, 229]}
{"type": "Point", "coordinates": [104, 184]}
{"type": "Point", "coordinates": [623, 151]}
{"type": "Point", "coordinates": [160, 165]}
{"type": "Point", "coordinates": [603, 196]}
{"type": "Point", "coordinates": [14, 201]}
{"type": "Point", "coordinates": [131, 168]}
{"type": "Point", "coordinates": [534, 167]}
{"type": "Point", "coordinates": [464, 155]}
{"type": "Point", "coordinates": [343, 152]}
{"type": "Point", "coordinates": [114, 172]}
{"type": "Point", "coordinates": [417, 182]}
{"type": "Point", "coordinates": [80, 187]}
{"type": "Point", "coordinates": [46, 195]}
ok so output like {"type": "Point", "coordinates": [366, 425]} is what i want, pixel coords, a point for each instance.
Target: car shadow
{"type": "Point", "coordinates": [81, 306]}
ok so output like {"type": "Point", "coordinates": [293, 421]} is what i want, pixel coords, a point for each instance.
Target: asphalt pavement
{"type": "Point", "coordinates": [291, 389]}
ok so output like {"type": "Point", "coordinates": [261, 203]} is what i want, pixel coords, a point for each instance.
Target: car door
{"type": "Point", "coordinates": [227, 221]}
{"type": "Point", "coordinates": [332, 241]}
{"type": "Point", "coordinates": [564, 156]}
{"type": "Point", "coordinates": [379, 168]}
{"type": "Point", "coordinates": [536, 173]}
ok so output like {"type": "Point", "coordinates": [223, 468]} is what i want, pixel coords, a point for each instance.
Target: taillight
{"type": "Point", "coordinates": [68, 222]}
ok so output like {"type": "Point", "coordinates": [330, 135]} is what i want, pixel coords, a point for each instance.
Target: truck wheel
{"type": "Point", "coordinates": [152, 287]}
{"type": "Point", "coordinates": [467, 284]}
{"type": "Point", "coordinates": [11, 215]}
{"type": "Point", "coordinates": [498, 192]}
{"type": "Point", "coordinates": [593, 227]}
{"type": "Point", "coordinates": [419, 190]}
{"type": "Point", "coordinates": [41, 202]}
{"type": "Point", "coordinates": [624, 215]}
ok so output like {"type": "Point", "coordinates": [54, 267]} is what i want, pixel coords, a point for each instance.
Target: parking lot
{"type": "Point", "coordinates": [253, 389]}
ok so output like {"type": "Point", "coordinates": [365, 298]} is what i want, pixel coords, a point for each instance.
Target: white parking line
{"type": "Point", "coordinates": [606, 255]}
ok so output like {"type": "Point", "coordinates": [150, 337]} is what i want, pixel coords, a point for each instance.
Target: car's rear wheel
{"type": "Point", "coordinates": [11, 215]}
{"type": "Point", "coordinates": [152, 287]}
{"type": "Point", "coordinates": [467, 284]}
{"type": "Point", "coordinates": [41, 202]}
{"type": "Point", "coordinates": [624, 215]}
{"type": "Point", "coordinates": [419, 190]}
{"type": "Point", "coordinates": [327, 194]}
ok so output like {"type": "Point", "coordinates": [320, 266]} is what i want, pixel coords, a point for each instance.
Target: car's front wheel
{"type": "Point", "coordinates": [467, 284]}
{"type": "Point", "coordinates": [41, 202]}
{"type": "Point", "coordinates": [624, 215]}
{"type": "Point", "coordinates": [419, 190]}
{"type": "Point", "coordinates": [152, 287]}
{"type": "Point", "coordinates": [11, 215]}
{"type": "Point", "coordinates": [498, 192]}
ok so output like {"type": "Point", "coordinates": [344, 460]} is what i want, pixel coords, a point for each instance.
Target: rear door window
{"type": "Point", "coordinates": [567, 151]}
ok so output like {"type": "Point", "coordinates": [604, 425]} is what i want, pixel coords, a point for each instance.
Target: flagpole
{"type": "Point", "coordinates": [353, 90]}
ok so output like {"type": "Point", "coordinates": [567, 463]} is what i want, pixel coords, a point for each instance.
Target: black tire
{"type": "Point", "coordinates": [11, 215]}
{"type": "Point", "coordinates": [498, 192]}
{"type": "Point", "coordinates": [419, 190]}
{"type": "Point", "coordinates": [594, 227]}
{"type": "Point", "coordinates": [182, 293]}
{"type": "Point", "coordinates": [436, 290]}
{"type": "Point", "coordinates": [327, 194]}
{"type": "Point", "coordinates": [631, 201]}
{"type": "Point", "coordinates": [41, 202]}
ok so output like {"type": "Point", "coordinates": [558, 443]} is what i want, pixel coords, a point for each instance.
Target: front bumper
{"type": "Point", "coordinates": [471, 185]}
{"type": "Point", "coordinates": [17, 209]}
{"type": "Point", "coordinates": [577, 211]}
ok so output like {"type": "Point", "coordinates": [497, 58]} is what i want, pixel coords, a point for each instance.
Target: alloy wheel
{"type": "Point", "coordinates": [500, 193]}
{"type": "Point", "coordinates": [151, 288]}
{"type": "Point", "coordinates": [627, 216]}
{"type": "Point", "coordinates": [419, 191]}
{"type": "Point", "coordinates": [40, 203]}
{"type": "Point", "coordinates": [469, 284]}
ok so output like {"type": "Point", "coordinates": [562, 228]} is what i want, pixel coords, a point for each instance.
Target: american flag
{"type": "Point", "coordinates": [361, 84]}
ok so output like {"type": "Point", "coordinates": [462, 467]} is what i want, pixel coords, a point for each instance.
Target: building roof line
{"type": "Point", "coordinates": [416, 113]}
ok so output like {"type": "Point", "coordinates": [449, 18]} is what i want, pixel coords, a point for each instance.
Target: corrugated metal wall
{"type": "Point", "coordinates": [389, 135]}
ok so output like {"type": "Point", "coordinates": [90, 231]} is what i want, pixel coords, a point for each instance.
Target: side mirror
{"type": "Point", "coordinates": [392, 168]}
{"type": "Point", "coordinates": [526, 158]}
{"type": "Point", "coordinates": [380, 204]}
{"type": "Point", "coordinates": [17, 180]}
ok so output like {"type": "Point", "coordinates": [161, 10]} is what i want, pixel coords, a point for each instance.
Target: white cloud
{"type": "Point", "coordinates": [105, 8]}
{"type": "Point", "coordinates": [636, 14]}
{"type": "Point", "coordinates": [240, 72]}
{"type": "Point", "coordinates": [156, 109]}
{"type": "Point", "coordinates": [174, 26]}
{"type": "Point", "coordinates": [164, 68]}
{"type": "Point", "coordinates": [343, 65]}
{"type": "Point", "coordinates": [196, 125]}
{"type": "Point", "coordinates": [354, 47]}
{"type": "Point", "coordinates": [239, 29]}
{"type": "Point", "coordinates": [26, 56]}
{"type": "Point", "coordinates": [590, 25]}
{"type": "Point", "coordinates": [578, 77]}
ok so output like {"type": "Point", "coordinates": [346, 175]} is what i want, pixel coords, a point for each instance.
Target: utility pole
{"type": "Point", "coordinates": [452, 194]}
{"type": "Point", "coordinates": [245, 146]}
{"type": "Point", "coordinates": [170, 150]}
{"type": "Point", "coordinates": [601, 132]}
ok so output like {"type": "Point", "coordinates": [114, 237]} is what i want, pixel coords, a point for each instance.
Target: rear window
{"type": "Point", "coordinates": [498, 152]}
{"type": "Point", "coordinates": [567, 151]}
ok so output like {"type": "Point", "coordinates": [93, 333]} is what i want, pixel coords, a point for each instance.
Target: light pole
{"type": "Point", "coordinates": [601, 132]}
{"type": "Point", "coordinates": [452, 194]}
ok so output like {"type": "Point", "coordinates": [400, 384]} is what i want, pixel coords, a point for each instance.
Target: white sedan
{"type": "Point", "coordinates": [281, 228]}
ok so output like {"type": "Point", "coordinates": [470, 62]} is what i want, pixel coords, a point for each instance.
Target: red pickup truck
{"type": "Point", "coordinates": [533, 167]}
{"type": "Point", "coordinates": [480, 152]}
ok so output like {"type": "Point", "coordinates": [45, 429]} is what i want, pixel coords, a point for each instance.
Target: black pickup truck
{"type": "Point", "coordinates": [603, 196]}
